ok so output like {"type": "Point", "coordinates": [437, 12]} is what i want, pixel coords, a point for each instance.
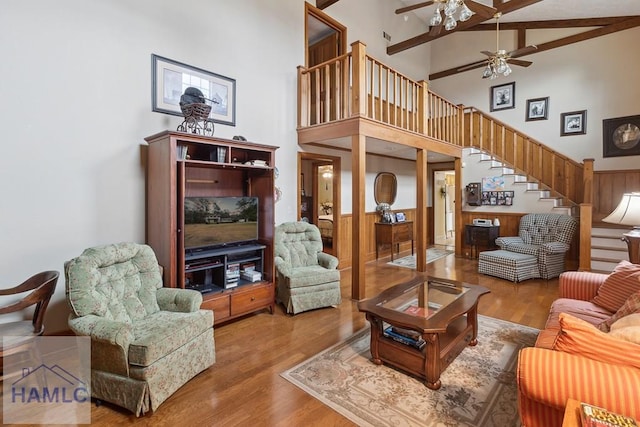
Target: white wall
{"type": "Point", "coordinates": [76, 107]}
{"type": "Point", "coordinates": [597, 75]}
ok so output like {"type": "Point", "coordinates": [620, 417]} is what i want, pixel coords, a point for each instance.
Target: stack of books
{"type": "Point", "coordinates": [249, 272]}
{"type": "Point", "coordinates": [593, 416]}
{"type": "Point", "coordinates": [233, 275]}
{"type": "Point", "coordinates": [405, 336]}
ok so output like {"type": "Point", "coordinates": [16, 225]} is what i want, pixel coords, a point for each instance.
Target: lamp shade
{"type": "Point", "coordinates": [627, 212]}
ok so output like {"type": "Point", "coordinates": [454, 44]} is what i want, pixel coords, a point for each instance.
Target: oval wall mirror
{"type": "Point", "coordinates": [385, 188]}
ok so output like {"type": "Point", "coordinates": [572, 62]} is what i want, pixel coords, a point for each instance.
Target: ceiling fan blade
{"type": "Point", "coordinates": [523, 51]}
{"type": "Point", "coordinates": [481, 9]}
{"type": "Point", "coordinates": [519, 62]}
{"type": "Point", "coordinates": [473, 65]}
{"type": "Point", "coordinates": [486, 52]}
{"type": "Point", "coordinates": [414, 7]}
{"type": "Point", "coordinates": [435, 30]}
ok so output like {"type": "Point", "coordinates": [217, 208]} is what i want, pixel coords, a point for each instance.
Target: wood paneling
{"type": "Point", "coordinates": [608, 188]}
{"type": "Point", "coordinates": [344, 250]}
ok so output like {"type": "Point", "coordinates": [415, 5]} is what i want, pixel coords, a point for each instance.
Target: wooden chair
{"type": "Point", "coordinates": [18, 335]}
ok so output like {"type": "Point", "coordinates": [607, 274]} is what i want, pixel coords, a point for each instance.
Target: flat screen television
{"type": "Point", "coordinates": [211, 222]}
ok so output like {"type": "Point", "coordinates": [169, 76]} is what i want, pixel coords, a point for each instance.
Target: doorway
{"type": "Point", "coordinates": [319, 191]}
{"type": "Point", "coordinates": [325, 38]}
{"type": "Point", "coordinates": [444, 193]}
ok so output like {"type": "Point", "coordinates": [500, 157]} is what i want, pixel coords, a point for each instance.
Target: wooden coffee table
{"type": "Point", "coordinates": [443, 312]}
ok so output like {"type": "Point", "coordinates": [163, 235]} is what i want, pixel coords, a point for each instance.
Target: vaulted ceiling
{"type": "Point", "coordinates": [597, 17]}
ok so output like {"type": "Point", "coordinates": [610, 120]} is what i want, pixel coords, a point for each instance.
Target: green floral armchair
{"type": "Point", "coordinates": [146, 340]}
{"type": "Point", "coordinates": [306, 277]}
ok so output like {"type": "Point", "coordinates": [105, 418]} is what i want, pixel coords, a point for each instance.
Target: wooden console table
{"type": "Point", "coordinates": [481, 235]}
{"type": "Point", "coordinates": [394, 233]}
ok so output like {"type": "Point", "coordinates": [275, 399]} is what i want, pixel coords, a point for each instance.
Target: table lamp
{"type": "Point", "coordinates": [628, 213]}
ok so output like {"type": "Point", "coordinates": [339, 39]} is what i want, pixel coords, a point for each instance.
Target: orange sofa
{"type": "Point", "coordinates": [576, 356]}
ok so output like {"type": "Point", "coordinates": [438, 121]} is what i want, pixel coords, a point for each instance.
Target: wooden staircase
{"type": "Point", "coordinates": [550, 200]}
{"type": "Point", "coordinates": [607, 247]}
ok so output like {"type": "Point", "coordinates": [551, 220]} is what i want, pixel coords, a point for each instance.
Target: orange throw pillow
{"type": "Point", "coordinates": [630, 306]}
{"type": "Point", "coordinates": [621, 283]}
{"type": "Point", "coordinates": [582, 338]}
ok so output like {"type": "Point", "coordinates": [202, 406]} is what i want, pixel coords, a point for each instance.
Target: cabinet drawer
{"type": "Point", "coordinates": [403, 232]}
{"type": "Point", "coordinates": [220, 306]}
{"type": "Point", "coordinates": [251, 300]}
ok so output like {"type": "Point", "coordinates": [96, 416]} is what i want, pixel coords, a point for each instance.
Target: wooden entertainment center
{"type": "Point", "coordinates": [183, 165]}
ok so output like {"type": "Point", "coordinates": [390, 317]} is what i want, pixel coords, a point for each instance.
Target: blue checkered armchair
{"type": "Point", "coordinates": [546, 236]}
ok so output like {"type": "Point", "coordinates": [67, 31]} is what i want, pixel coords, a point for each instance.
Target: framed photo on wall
{"type": "Point", "coordinates": [537, 109]}
{"type": "Point", "coordinates": [171, 78]}
{"type": "Point", "coordinates": [573, 123]}
{"type": "Point", "coordinates": [503, 97]}
{"type": "Point", "coordinates": [621, 136]}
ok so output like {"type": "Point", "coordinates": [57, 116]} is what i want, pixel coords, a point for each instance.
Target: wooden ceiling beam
{"type": "Point", "coordinates": [522, 39]}
{"type": "Point", "coordinates": [502, 7]}
{"type": "Point", "coordinates": [591, 34]}
{"type": "Point", "coordinates": [564, 41]}
{"type": "Point", "coordinates": [323, 4]}
{"type": "Point", "coordinates": [550, 24]}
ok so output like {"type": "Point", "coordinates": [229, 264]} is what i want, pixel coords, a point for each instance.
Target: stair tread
{"type": "Point", "coordinates": [609, 248]}
{"type": "Point", "coordinates": [606, 236]}
{"type": "Point", "coordinates": [613, 260]}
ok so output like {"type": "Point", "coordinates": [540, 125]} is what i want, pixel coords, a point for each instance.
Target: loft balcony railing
{"type": "Point", "coordinates": [358, 85]}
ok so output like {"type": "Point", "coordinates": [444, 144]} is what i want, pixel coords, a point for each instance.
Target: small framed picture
{"type": "Point", "coordinates": [503, 97]}
{"type": "Point", "coordinates": [537, 109]}
{"type": "Point", "coordinates": [621, 136]}
{"type": "Point", "coordinates": [400, 217]}
{"type": "Point", "coordinates": [573, 123]}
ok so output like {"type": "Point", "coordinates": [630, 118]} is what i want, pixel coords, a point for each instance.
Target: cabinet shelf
{"type": "Point", "coordinates": [207, 164]}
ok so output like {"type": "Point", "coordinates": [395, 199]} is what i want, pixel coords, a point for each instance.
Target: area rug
{"type": "Point", "coordinates": [478, 388]}
{"type": "Point", "coordinates": [410, 260]}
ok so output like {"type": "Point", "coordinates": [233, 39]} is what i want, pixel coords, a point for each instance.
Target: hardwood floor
{"type": "Point", "coordinates": [244, 387]}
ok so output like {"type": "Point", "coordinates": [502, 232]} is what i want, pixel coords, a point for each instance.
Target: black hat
{"type": "Point", "coordinates": [192, 95]}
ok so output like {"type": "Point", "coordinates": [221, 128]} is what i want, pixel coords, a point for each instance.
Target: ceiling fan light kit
{"type": "Point", "coordinates": [495, 66]}
{"type": "Point", "coordinates": [498, 62]}
{"type": "Point", "coordinates": [450, 9]}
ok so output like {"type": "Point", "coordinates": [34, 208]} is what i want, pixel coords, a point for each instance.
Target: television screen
{"type": "Point", "coordinates": [218, 221]}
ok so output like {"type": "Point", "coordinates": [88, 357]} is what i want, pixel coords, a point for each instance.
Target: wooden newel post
{"type": "Point", "coordinates": [359, 87]}
{"type": "Point", "coordinates": [587, 181]}
{"type": "Point", "coordinates": [303, 97]}
{"type": "Point", "coordinates": [584, 253]}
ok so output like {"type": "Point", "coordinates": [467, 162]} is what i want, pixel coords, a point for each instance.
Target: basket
{"type": "Point", "coordinates": [197, 111]}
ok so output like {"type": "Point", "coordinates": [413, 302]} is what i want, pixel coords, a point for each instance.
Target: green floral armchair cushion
{"type": "Point", "coordinates": [298, 243]}
{"type": "Point", "coordinates": [117, 282]}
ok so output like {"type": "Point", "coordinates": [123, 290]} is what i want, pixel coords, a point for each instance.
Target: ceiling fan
{"type": "Point", "coordinates": [498, 62]}
{"type": "Point", "coordinates": [450, 8]}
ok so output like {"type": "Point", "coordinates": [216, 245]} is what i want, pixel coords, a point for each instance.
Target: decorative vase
{"type": "Point", "coordinates": [496, 222]}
